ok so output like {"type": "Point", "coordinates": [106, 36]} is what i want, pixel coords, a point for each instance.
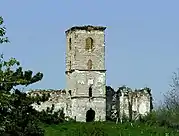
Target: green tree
{"type": "Point", "coordinates": [12, 74]}
{"type": "Point", "coordinates": [170, 108]}
{"type": "Point", "coordinates": [3, 38]}
{"type": "Point", "coordinates": [172, 96]}
{"type": "Point", "coordinates": [17, 118]}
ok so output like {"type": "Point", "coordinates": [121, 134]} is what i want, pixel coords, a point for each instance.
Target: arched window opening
{"type": "Point", "coordinates": [90, 91]}
{"type": "Point", "coordinates": [70, 44]}
{"type": "Point", "coordinates": [89, 43]}
{"type": "Point", "coordinates": [63, 92]}
{"type": "Point", "coordinates": [90, 115]}
{"type": "Point", "coordinates": [89, 64]}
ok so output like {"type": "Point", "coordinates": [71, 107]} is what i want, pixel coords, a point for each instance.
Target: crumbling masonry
{"type": "Point", "coordinates": [86, 90]}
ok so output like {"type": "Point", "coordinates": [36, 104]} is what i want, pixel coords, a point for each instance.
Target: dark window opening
{"type": "Point", "coordinates": [90, 91]}
{"type": "Point", "coordinates": [70, 65]}
{"type": "Point", "coordinates": [69, 92]}
{"type": "Point", "coordinates": [90, 115]}
{"type": "Point", "coordinates": [70, 44]}
{"type": "Point", "coordinates": [63, 91]}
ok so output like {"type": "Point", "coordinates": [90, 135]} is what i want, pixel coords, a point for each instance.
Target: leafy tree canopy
{"type": "Point", "coordinates": [3, 38]}
{"type": "Point", "coordinates": [17, 117]}
{"type": "Point", "coordinates": [12, 74]}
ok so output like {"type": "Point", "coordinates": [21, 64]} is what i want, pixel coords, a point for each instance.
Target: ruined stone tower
{"type": "Point", "coordinates": [85, 72]}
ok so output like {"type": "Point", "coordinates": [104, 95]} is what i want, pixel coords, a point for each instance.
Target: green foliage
{"type": "Point", "coordinates": [18, 117]}
{"type": "Point", "coordinates": [3, 38]}
{"type": "Point", "coordinates": [167, 118]}
{"type": "Point", "coordinates": [51, 117]}
{"type": "Point", "coordinates": [12, 74]}
{"type": "Point", "coordinates": [150, 119]}
{"type": "Point", "coordinates": [107, 129]}
{"type": "Point", "coordinates": [161, 117]}
{"type": "Point", "coordinates": [15, 107]}
{"type": "Point", "coordinates": [168, 113]}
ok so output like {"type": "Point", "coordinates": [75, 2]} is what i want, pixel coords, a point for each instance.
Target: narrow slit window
{"type": "Point", "coordinates": [70, 65]}
{"type": "Point", "coordinates": [89, 64]}
{"type": "Point", "coordinates": [90, 91]}
{"type": "Point", "coordinates": [70, 44]}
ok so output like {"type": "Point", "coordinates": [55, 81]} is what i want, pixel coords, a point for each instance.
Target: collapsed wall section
{"type": "Point", "coordinates": [118, 104]}
{"type": "Point", "coordinates": [133, 104]}
{"type": "Point", "coordinates": [59, 98]}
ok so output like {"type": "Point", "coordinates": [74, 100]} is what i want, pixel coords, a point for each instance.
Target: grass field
{"type": "Point", "coordinates": [107, 129]}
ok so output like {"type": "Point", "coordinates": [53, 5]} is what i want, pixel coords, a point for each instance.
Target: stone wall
{"type": "Point", "coordinates": [111, 110]}
{"type": "Point", "coordinates": [80, 81]}
{"type": "Point", "coordinates": [59, 98]}
{"type": "Point", "coordinates": [132, 104]}
{"type": "Point", "coordinates": [86, 82]}
{"type": "Point", "coordinates": [121, 103]}
{"type": "Point", "coordinates": [77, 57]}
{"type": "Point", "coordinates": [81, 106]}
{"type": "Point", "coordinates": [85, 71]}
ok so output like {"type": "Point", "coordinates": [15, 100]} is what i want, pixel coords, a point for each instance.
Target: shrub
{"type": "Point", "coordinates": [50, 117]}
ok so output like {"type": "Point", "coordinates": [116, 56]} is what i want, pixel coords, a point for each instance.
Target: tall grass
{"type": "Point", "coordinates": [108, 129]}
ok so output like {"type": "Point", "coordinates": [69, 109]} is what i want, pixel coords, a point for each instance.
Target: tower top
{"type": "Point", "coordinates": [85, 27]}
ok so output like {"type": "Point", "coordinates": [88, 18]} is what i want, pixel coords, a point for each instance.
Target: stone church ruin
{"type": "Point", "coordinates": [86, 97]}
